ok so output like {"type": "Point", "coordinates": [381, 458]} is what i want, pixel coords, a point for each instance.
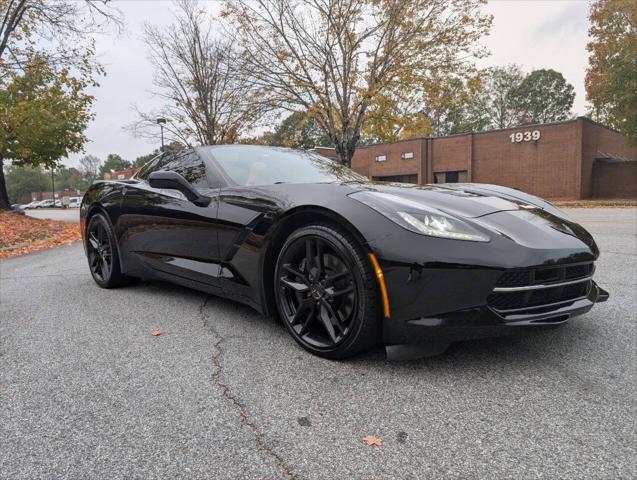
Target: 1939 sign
{"type": "Point", "coordinates": [527, 136]}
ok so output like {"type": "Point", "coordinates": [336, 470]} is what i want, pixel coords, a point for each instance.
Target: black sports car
{"type": "Point", "coordinates": [345, 262]}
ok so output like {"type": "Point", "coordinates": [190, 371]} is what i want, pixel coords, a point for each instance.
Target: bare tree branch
{"type": "Point", "coordinates": [59, 21]}
{"type": "Point", "coordinates": [210, 95]}
{"type": "Point", "coordinates": [332, 58]}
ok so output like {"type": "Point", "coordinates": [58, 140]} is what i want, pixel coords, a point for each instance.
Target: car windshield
{"type": "Point", "coordinates": [252, 165]}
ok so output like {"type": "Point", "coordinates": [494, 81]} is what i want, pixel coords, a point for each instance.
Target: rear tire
{"type": "Point", "coordinates": [103, 254]}
{"type": "Point", "coordinates": [326, 293]}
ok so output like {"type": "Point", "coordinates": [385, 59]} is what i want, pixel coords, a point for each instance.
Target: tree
{"type": "Point", "coordinates": [142, 160]}
{"type": "Point", "coordinates": [21, 181]}
{"type": "Point", "coordinates": [500, 97]}
{"type": "Point", "coordinates": [68, 178]}
{"type": "Point", "coordinates": [90, 168]}
{"type": "Point", "coordinates": [544, 96]}
{"type": "Point", "coordinates": [440, 106]}
{"type": "Point", "coordinates": [297, 130]}
{"type": "Point", "coordinates": [611, 78]}
{"type": "Point", "coordinates": [202, 78]}
{"type": "Point", "coordinates": [43, 115]}
{"type": "Point", "coordinates": [333, 58]}
{"type": "Point", "coordinates": [63, 25]}
{"type": "Point", "coordinates": [114, 162]}
{"type": "Point", "coordinates": [450, 105]}
{"type": "Point", "coordinates": [497, 97]}
{"type": "Point", "coordinates": [391, 117]}
{"type": "Point", "coordinates": [44, 41]}
{"type": "Point", "coordinates": [54, 34]}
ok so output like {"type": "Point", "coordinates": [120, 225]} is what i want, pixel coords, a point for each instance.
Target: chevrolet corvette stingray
{"type": "Point", "coordinates": [346, 263]}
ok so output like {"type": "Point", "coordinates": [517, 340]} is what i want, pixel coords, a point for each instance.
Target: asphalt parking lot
{"type": "Point", "coordinates": [87, 392]}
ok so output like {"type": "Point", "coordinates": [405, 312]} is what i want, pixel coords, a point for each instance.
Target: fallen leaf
{"type": "Point", "coordinates": [21, 234]}
{"type": "Point", "coordinates": [156, 332]}
{"type": "Point", "coordinates": [372, 440]}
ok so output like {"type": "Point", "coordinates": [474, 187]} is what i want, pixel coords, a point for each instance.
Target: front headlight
{"type": "Point", "coordinates": [419, 218]}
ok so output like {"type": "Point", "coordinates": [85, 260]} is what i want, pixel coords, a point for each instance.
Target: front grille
{"type": "Point", "coordinates": [515, 278]}
{"type": "Point", "coordinates": [543, 286]}
{"type": "Point", "coordinates": [545, 275]}
{"type": "Point", "coordinates": [577, 271]}
{"type": "Point", "coordinates": [534, 298]}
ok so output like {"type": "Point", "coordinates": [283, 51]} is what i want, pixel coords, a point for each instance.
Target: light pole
{"type": "Point", "coordinates": [53, 183]}
{"type": "Point", "coordinates": [161, 122]}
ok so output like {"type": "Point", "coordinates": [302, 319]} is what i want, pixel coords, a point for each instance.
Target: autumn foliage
{"type": "Point", "coordinates": [20, 234]}
{"type": "Point", "coordinates": [611, 78]}
{"type": "Point", "coordinates": [337, 60]}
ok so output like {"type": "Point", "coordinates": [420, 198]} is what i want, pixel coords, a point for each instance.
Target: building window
{"type": "Point", "coordinates": [407, 155]}
{"type": "Point", "coordinates": [409, 178]}
{"type": "Point", "coordinates": [451, 177]}
{"type": "Point", "coordinates": [381, 158]}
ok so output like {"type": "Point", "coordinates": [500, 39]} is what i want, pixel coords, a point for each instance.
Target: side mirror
{"type": "Point", "coordinates": [174, 181]}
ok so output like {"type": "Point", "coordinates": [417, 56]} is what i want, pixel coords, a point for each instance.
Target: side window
{"type": "Point", "coordinates": [147, 168]}
{"type": "Point", "coordinates": [188, 165]}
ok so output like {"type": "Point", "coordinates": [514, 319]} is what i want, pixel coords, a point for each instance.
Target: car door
{"type": "Point", "coordinates": [245, 216]}
{"type": "Point", "coordinates": [164, 234]}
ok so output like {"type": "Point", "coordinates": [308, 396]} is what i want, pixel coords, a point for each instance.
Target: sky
{"type": "Point", "coordinates": [532, 33]}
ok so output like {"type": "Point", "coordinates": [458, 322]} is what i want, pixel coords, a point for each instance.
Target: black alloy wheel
{"type": "Point", "coordinates": [102, 253]}
{"type": "Point", "coordinates": [325, 292]}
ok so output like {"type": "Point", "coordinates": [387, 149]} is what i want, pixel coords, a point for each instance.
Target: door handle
{"type": "Point", "coordinates": [124, 190]}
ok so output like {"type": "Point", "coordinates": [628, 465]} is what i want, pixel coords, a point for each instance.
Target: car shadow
{"type": "Point", "coordinates": [544, 349]}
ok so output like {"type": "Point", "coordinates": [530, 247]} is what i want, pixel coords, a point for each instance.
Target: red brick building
{"type": "Point", "coordinates": [120, 174]}
{"type": "Point", "coordinates": [59, 194]}
{"type": "Point", "coordinates": [569, 160]}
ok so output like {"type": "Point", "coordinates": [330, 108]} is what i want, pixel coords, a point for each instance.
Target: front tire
{"type": "Point", "coordinates": [326, 293]}
{"type": "Point", "coordinates": [103, 255]}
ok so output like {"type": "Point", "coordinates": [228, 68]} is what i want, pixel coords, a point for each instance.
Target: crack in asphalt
{"type": "Point", "coordinates": [233, 399]}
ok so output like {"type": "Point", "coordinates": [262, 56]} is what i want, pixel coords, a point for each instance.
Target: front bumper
{"type": "Point", "coordinates": [445, 290]}
{"type": "Point", "coordinates": [484, 322]}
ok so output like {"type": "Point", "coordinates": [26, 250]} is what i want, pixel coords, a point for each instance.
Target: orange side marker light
{"type": "Point", "coordinates": [381, 283]}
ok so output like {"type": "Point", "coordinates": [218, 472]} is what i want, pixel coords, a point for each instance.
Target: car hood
{"type": "Point", "coordinates": [462, 200]}
{"type": "Point", "coordinates": [518, 216]}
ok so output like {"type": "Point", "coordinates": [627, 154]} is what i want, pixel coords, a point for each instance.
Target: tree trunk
{"type": "Point", "coordinates": [345, 152]}
{"type": "Point", "coordinates": [4, 196]}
